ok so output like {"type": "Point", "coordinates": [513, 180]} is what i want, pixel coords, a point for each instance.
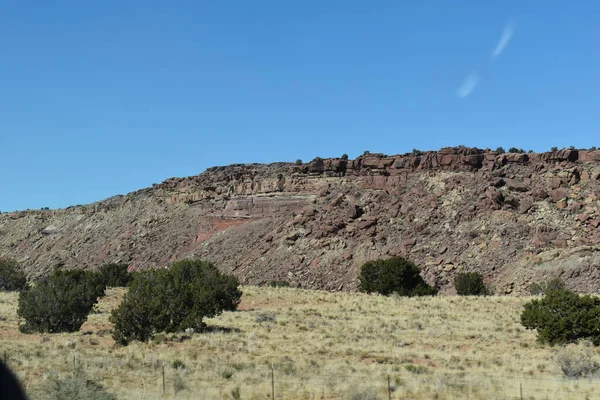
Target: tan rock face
{"type": "Point", "coordinates": [316, 223]}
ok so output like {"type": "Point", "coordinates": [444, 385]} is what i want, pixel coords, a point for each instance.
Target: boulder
{"type": "Point", "coordinates": [495, 195]}
{"type": "Point", "coordinates": [558, 194]}
{"type": "Point", "coordinates": [524, 206]}
{"type": "Point", "coordinates": [561, 204]}
{"type": "Point", "coordinates": [475, 160]}
{"type": "Point", "coordinates": [516, 186]}
{"type": "Point", "coordinates": [367, 222]}
{"type": "Point", "coordinates": [539, 194]}
{"type": "Point", "coordinates": [371, 162]}
{"type": "Point", "coordinates": [520, 158]}
{"type": "Point", "coordinates": [560, 155]}
{"type": "Point", "coordinates": [589, 155]}
{"type": "Point", "coordinates": [408, 244]}
{"type": "Point", "coordinates": [354, 212]}
{"type": "Point", "coordinates": [448, 159]}
{"type": "Point", "coordinates": [497, 182]}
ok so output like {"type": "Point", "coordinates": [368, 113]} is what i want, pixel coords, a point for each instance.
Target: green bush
{"type": "Point", "coordinates": [60, 302]}
{"type": "Point", "coordinates": [547, 286]}
{"type": "Point", "coordinates": [562, 316]}
{"type": "Point", "coordinates": [393, 275]}
{"type": "Point", "coordinates": [115, 274]}
{"type": "Point", "coordinates": [344, 156]}
{"type": "Point", "coordinates": [173, 299]}
{"type": "Point", "coordinates": [12, 277]}
{"type": "Point", "coordinates": [77, 387]}
{"type": "Point", "coordinates": [470, 284]}
{"type": "Point", "coordinates": [142, 308]}
{"type": "Point", "coordinates": [500, 150]}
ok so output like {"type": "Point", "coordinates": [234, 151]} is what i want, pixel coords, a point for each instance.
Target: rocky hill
{"type": "Point", "coordinates": [515, 217]}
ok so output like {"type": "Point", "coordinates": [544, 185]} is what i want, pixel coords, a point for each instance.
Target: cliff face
{"type": "Point", "coordinates": [516, 218]}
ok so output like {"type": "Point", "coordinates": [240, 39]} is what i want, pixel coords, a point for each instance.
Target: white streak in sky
{"type": "Point", "coordinates": [505, 38]}
{"type": "Point", "coordinates": [468, 85]}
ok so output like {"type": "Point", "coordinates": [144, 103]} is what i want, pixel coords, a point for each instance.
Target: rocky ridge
{"type": "Point", "coordinates": [515, 217]}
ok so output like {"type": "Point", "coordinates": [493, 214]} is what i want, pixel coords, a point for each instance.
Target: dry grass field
{"type": "Point", "coordinates": [314, 345]}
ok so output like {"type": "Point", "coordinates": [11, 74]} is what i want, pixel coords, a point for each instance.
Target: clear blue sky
{"type": "Point", "coordinates": [105, 97]}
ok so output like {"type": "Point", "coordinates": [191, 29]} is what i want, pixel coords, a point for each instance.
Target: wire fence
{"type": "Point", "coordinates": [162, 379]}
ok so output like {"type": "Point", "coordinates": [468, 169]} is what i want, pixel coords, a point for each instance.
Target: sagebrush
{"type": "Point", "coordinates": [578, 362]}
{"type": "Point", "coordinates": [76, 387]}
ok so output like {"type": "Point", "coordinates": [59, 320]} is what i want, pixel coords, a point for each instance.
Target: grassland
{"type": "Point", "coordinates": [320, 345]}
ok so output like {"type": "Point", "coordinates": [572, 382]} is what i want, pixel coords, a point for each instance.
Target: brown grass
{"type": "Point", "coordinates": [322, 346]}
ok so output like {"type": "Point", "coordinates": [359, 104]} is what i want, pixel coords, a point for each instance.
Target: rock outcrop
{"type": "Point", "coordinates": [516, 217]}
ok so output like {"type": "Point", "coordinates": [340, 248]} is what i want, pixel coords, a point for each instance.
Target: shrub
{"type": "Point", "coordinates": [236, 393]}
{"type": "Point", "coordinates": [393, 275]}
{"type": "Point", "coordinates": [579, 362]}
{"type": "Point", "coordinates": [173, 299]}
{"type": "Point", "coordinates": [141, 310]}
{"type": "Point", "coordinates": [115, 274]}
{"type": "Point", "coordinates": [77, 387]}
{"type": "Point", "coordinates": [515, 150]}
{"type": "Point", "coordinates": [12, 277]}
{"type": "Point", "coordinates": [60, 302]}
{"type": "Point", "coordinates": [265, 317]}
{"type": "Point", "coordinates": [470, 284]}
{"type": "Point", "coordinates": [500, 150]}
{"type": "Point", "coordinates": [178, 383]}
{"type": "Point", "coordinates": [417, 369]}
{"type": "Point", "coordinates": [344, 156]}
{"type": "Point", "coordinates": [562, 316]}
{"type": "Point", "coordinates": [544, 287]}
{"type": "Point", "coordinates": [298, 162]}
{"type": "Point", "coordinates": [417, 152]}
{"type": "Point", "coordinates": [553, 148]}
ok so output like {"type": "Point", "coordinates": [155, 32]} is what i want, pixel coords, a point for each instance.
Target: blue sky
{"type": "Point", "coordinates": [103, 98]}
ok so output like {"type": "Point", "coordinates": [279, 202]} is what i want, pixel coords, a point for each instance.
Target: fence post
{"type": "Point", "coordinates": [163, 374]}
{"type": "Point", "coordinates": [521, 390]}
{"type": "Point", "coordinates": [272, 382]}
{"type": "Point", "coordinates": [389, 388]}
